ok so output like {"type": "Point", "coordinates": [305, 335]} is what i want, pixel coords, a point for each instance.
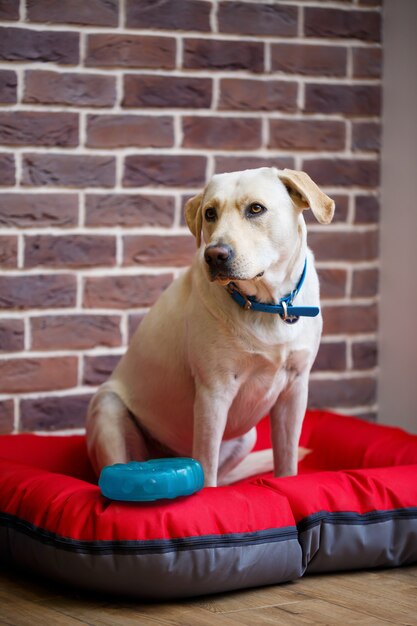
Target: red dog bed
{"type": "Point", "coordinates": [353, 505]}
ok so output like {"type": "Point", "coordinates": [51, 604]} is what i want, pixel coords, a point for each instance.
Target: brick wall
{"type": "Point", "coordinates": [115, 111]}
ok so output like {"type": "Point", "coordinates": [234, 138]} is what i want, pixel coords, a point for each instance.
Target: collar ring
{"type": "Point", "coordinates": [284, 316]}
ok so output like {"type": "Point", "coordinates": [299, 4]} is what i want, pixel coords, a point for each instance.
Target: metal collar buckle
{"type": "Point", "coordinates": [288, 319]}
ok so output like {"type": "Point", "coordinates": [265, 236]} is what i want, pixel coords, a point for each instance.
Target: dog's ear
{"type": "Point", "coordinates": [193, 216]}
{"type": "Point", "coordinates": [307, 195]}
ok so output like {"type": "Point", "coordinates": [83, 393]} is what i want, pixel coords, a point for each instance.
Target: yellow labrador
{"type": "Point", "coordinates": [201, 369]}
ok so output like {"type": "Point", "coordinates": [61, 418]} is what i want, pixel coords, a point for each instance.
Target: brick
{"type": "Point", "coordinates": [8, 251]}
{"type": "Point", "coordinates": [129, 210]}
{"type": "Point", "coordinates": [366, 136]}
{"type": "Point", "coordinates": [338, 23]}
{"type": "Point", "coordinates": [367, 62]}
{"type": "Point", "coordinates": [211, 133]}
{"type": "Point", "coordinates": [364, 355]}
{"type": "Point", "coordinates": [258, 95]}
{"type": "Point", "coordinates": [122, 292]}
{"type": "Point", "coordinates": [351, 319]}
{"type": "Point", "coordinates": [94, 12]}
{"type": "Point", "coordinates": [351, 100]}
{"type": "Point", "coordinates": [121, 131]}
{"type": "Point", "coordinates": [7, 170]}
{"type": "Point", "coordinates": [223, 55]}
{"type": "Point", "coordinates": [113, 50]}
{"type": "Point", "coordinates": [331, 357]}
{"type": "Point", "coordinates": [26, 210]}
{"type": "Point", "coordinates": [54, 412]}
{"type": "Point", "coordinates": [167, 91]}
{"type": "Point", "coordinates": [307, 135]}
{"type": "Point", "coordinates": [38, 374]}
{"type": "Point", "coordinates": [71, 88]}
{"type": "Point", "coordinates": [134, 322]}
{"type": "Point", "coordinates": [237, 164]}
{"type": "Point", "coordinates": [165, 170]}
{"type": "Point", "coordinates": [70, 251]}
{"type": "Point", "coordinates": [75, 332]}
{"type": "Point", "coordinates": [158, 251]}
{"type": "Point", "coordinates": [343, 172]}
{"type": "Point", "coordinates": [97, 369]}
{"type": "Point", "coordinates": [9, 10]}
{"type": "Point", "coordinates": [365, 283]}
{"type": "Point", "coordinates": [309, 60]}
{"type": "Point", "coordinates": [8, 87]}
{"type": "Point", "coordinates": [344, 392]}
{"type": "Point", "coordinates": [22, 44]}
{"type": "Point", "coordinates": [168, 14]}
{"type": "Point", "coordinates": [252, 18]}
{"type": "Point", "coordinates": [28, 128]}
{"type": "Point", "coordinates": [12, 335]}
{"type": "Point", "coordinates": [37, 291]}
{"type": "Point", "coordinates": [69, 170]}
{"type": "Point", "coordinates": [367, 209]}
{"type": "Point", "coordinates": [6, 417]}
{"type": "Point", "coordinates": [332, 283]}
{"type": "Point", "coordinates": [341, 212]}
{"type": "Point", "coordinates": [344, 246]}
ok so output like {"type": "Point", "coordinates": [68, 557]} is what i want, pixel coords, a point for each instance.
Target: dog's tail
{"type": "Point", "coordinates": [255, 463]}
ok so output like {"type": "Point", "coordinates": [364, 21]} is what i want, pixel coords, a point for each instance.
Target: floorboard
{"type": "Point", "coordinates": [371, 598]}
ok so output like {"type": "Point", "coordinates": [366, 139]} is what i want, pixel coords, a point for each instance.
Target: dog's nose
{"type": "Point", "coordinates": [217, 256]}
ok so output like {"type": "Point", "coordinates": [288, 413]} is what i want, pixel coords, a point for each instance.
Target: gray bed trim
{"type": "Point", "coordinates": [346, 541]}
{"type": "Point", "coordinates": [166, 575]}
{"type": "Point", "coordinates": [190, 566]}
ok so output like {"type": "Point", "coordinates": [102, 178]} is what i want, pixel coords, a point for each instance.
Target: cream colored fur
{"type": "Point", "coordinates": [200, 371]}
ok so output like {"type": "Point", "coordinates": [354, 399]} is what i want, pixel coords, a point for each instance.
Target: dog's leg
{"type": "Point", "coordinates": [286, 420]}
{"type": "Point", "coordinates": [210, 414]}
{"type": "Point", "coordinates": [112, 435]}
{"type": "Point", "coordinates": [232, 454]}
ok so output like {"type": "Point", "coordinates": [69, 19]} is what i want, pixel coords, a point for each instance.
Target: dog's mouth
{"type": "Point", "coordinates": [224, 279]}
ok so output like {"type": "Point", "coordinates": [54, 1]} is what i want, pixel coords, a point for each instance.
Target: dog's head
{"type": "Point", "coordinates": [250, 220]}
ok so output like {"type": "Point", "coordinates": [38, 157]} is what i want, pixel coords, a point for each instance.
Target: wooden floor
{"type": "Point", "coordinates": [360, 599]}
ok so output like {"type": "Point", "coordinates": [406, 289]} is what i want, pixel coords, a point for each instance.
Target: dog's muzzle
{"type": "Point", "coordinates": [219, 259]}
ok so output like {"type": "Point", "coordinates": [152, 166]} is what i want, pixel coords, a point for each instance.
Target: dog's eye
{"type": "Point", "coordinates": [210, 214]}
{"type": "Point", "coordinates": [255, 209]}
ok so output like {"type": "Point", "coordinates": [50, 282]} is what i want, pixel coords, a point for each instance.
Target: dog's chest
{"type": "Point", "coordinates": [261, 377]}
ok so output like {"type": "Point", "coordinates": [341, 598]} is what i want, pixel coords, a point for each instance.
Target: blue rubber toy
{"type": "Point", "coordinates": [151, 480]}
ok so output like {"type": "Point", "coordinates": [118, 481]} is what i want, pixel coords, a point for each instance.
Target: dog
{"type": "Point", "coordinates": [203, 368]}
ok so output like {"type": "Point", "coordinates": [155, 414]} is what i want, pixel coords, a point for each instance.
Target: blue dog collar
{"type": "Point", "coordinates": [289, 314]}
